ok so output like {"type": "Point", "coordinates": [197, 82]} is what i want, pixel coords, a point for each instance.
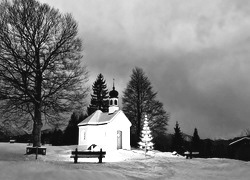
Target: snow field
{"type": "Point", "coordinates": [121, 164]}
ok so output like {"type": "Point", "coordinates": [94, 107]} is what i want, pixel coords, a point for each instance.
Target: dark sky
{"type": "Point", "coordinates": [195, 53]}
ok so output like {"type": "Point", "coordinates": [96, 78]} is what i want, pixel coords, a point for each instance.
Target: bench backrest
{"type": "Point", "coordinates": [88, 152]}
{"type": "Point", "coordinates": [186, 153]}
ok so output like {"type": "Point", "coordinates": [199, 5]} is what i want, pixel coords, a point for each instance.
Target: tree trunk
{"type": "Point", "coordinates": [138, 113]}
{"type": "Point", "coordinates": [37, 126]}
{"type": "Point", "coordinates": [138, 126]}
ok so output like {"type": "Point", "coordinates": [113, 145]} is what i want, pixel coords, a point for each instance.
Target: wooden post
{"type": "Point", "coordinates": [76, 156]}
{"type": "Point", "coordinates": [36, 151]}
{"type": "Point", "coordinates": [100, 156]}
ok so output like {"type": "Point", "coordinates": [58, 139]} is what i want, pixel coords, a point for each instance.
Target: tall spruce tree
{"type": "Point", "coordinates": [99, 98]}
{"type": "Point", "coordinates": [138, 99]}
{"type": "Point", "coordinates": [178, 141]}
{"type": "Point", "coordinates": [196, 142]}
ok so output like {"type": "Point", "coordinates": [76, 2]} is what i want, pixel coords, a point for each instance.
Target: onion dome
{"type": "Point", "coordinates": [113, 93]}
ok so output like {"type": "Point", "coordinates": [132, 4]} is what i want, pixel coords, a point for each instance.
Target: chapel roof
{"type": "Point", "coordinates": [98, 118]}
{"type": "Point", "coordinates": [241, 139]}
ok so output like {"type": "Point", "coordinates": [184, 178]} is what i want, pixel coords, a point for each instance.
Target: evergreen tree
{"type": "Point", "coordinates": [146, 137]}
{"type": "Point", "coordinates": [99, 98]}
{"type": "Point", "coordinates": [196, 142]}
{"type": "Point", "coordinates": [71, 131]}
{"type": "Point", "coordinates": [139, 98]}
{"type": "Point", "coordinates": [177, 144]}
{"type": "Point", "coordinates": [57, 137]}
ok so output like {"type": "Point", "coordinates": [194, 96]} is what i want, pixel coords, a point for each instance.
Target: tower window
{"type": "Point", "coordinates": [116, 102]}
{"type": "Point", "coordinates": [110, 102]}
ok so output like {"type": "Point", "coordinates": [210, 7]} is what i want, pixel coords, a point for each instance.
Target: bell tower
{"type": "Point", "coordinates": [113, 100]}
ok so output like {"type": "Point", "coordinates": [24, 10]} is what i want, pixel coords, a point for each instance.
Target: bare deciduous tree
{"type": "Point", "coordinates": [41, 75]}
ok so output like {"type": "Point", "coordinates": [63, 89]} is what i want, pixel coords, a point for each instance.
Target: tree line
{"type": "Point", "coordinates": [207, 148]}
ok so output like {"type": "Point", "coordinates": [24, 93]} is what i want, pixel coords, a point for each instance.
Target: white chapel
{"type": "Point", "coordinates": [108, 130]}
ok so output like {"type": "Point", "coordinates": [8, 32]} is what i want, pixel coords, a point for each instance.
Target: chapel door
{"type": "Point", "coordinates": [119, 139]}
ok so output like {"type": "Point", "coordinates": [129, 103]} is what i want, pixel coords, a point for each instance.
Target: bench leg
{"type": "Point", "coordinates": [75, 159]}
{"type": "Point", "coordinates": [28, 151]}
{"type": "Point", "coordinates": [100, 159]}
{"type": "Point", "coordinates": [76, 156]}
{"type": "Point", "coordinates": [44, 152]}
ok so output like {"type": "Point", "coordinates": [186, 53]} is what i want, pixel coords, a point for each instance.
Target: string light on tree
{"type": "Point", "coordinates": [146, 137]}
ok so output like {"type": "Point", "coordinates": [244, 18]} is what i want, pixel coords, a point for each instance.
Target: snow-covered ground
{"type": "Point", "coordinates": [118, 165]}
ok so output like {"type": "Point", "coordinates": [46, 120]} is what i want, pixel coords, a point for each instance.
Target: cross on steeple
{"type": "Point", "coordinates": [113, 99]}
{"type": "Point", "coordinates": [113, 83]}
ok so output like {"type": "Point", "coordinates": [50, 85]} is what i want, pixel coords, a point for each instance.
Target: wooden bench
{"type": "Point", "coordinates": [12, 141]}
{"type": "Point", "coordinates": [87, 154]}
{"type": "Point", "coordinates": [191, 154]}
{"type": "Point", "coordinates": [36, 150]}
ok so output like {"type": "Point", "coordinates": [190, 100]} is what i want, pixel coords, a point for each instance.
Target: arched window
{"type": "Point", "coordinates": [111, 102]}
{"type": "Point", "coordinates": [116, 102]}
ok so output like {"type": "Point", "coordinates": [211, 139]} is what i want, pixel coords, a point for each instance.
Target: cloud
{"type": "Point", "coordinates": [195, 53]}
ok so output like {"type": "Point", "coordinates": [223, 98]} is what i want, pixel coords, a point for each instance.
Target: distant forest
{"type": "Point", "coordinates": [207, 148]}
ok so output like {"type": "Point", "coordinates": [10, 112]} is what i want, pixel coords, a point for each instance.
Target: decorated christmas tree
{"type": "Point", "coordinates": [146, 137]}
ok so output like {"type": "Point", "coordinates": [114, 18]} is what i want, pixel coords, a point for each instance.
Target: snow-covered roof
{"type": "Point", "coordinates": [248, 138]}
{"type": "Point", "coordinates": [99, 118]}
